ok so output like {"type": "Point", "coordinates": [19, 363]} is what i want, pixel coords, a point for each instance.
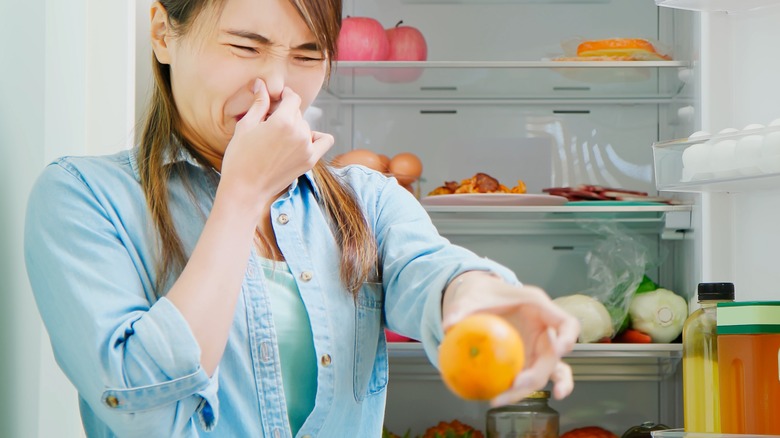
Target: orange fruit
{"type": "Point", "coordinates": [480, 356]}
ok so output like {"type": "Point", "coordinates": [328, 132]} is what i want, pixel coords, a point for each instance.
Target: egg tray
{"type": "Point", "coordinates": [728, 155]}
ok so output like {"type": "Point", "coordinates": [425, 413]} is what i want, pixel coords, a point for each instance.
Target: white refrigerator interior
{"type": "Point", "coordinates": [740, 87]}
{"type": "Point", "coordinates": [489, 99]}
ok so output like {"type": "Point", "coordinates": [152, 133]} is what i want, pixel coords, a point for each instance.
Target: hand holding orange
{"type": "Point", "coordinates": [480, 356]}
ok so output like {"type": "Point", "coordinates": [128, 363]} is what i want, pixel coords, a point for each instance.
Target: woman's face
{"type": "Point", "coordinates": [214, 67]}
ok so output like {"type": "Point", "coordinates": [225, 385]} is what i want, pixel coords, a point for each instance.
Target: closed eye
{"type": "Point", "coordinates": [244, 48]}
{"type": "Point", "coordinates": [307, 59]}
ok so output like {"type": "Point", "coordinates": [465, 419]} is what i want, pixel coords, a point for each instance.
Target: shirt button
{"type": "Point", "coordinates": [306, 275]}
{"type": "Point", "coordinates": [265, 351]}
{"type": "Point", "coordinates": [277, 433]}
{"type": "Point", "coordinates": [283, 219]}
{"type": "Point", "coordinates": [112, 401]}
{"type": "Point", "coordinates": [325, 360]}
{"type": "Point", "coordinates": [307, 436]}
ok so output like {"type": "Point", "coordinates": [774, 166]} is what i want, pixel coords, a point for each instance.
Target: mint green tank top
{"type": "Point", "coordinates": [296, 344]}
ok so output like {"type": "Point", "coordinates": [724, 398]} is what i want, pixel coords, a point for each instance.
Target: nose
{"type": "Point", "coordinates": [274, 74]}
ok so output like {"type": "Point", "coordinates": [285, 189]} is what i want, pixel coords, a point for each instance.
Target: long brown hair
{"type": "Point", "coordinates": [163, 125]}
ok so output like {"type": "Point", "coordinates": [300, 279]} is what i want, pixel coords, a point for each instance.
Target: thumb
{"type": "Point", "coordinates": [259, 108]}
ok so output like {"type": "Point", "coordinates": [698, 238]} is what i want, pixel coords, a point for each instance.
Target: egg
{"type": "Point", "coordinates": [385, 162]}
{"type": "Point", "coordinates": [724, 154]}
{"type": "Point", "coordinates": [696, 157]}
{"type": "Point", "coordinates": [770, 149]}
{"type": "Point", "coordinates": [696, 160]}
{"type": "Point", "coordinates": [364, 157]}
{"type": "Point", "coordinates": [405, 167]}
{"type": "Point", "coordinates": [770, 152]}
{"type": "Point", "coordinates": [748, 151]}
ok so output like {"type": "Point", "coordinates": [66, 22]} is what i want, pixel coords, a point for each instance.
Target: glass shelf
{"type": "Point", "coordinates": [729, 6]}
{"type": "Point", "coordinates": [739, 161]}
{"type": "Point", "coordinates": [548, 81]}
{"type": "Point", "coordinates": [608, 362]}
{"type": "Point", "coordinates": [570, 219]}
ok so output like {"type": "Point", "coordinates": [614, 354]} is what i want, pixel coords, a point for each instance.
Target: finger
{"type": "Point", "coordinates": [528, 381]}
{"type": "Point", "coordinates": [566, 335]}
{"type": "Point", "coordinates": [563, 380]}
{"type": "Point", "coordinates": [566, 327]}
{"type": "Point", "coordinates": [322, 141]}
{"type": "Point", "coordinates": [289, 105]}
{"type": "Point", "coordinates": [510, 396]}
{"type": "Point", "coordinates": [321, 144]}
{"type": "Point", "coordinates": [533, 377]}
{"type": "Point", "coordinates": [259, 108]}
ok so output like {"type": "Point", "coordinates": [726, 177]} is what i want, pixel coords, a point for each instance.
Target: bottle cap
{"type": "Point", "coordinates": [716, 291]}
{"type": "Point", "coordinates": [539, 394]}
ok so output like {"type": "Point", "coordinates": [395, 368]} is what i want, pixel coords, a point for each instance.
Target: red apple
{"type": "Point", "coordinates": [407, 43]}
{"type": "Point", "coordinates": [362, 39]}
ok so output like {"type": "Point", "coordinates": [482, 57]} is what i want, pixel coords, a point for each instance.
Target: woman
{"type": "Point", "coordinates": [221, 278]}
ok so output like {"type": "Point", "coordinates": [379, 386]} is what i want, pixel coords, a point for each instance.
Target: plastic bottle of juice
{"type": "Point", "coordinates": [749, 358]}
{"type": "Point", "coordinates": [701, 405]}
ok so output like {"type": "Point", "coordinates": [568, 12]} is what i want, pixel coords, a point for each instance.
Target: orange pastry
{"type": "Point", "coordinates": [620, 48]}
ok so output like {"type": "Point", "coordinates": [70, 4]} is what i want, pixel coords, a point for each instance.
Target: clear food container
{"type": "Point", "coordinates": [531, 417]}
{"type": "Point", "coordinates": [731, 155]}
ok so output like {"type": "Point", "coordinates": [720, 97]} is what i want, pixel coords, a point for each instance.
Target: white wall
{"type": "Point", "coordinates": [21, 140]}
{"type": "Point", "coordinates": [67, 86]}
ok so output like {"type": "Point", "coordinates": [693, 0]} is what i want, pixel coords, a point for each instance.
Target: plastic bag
{"type": "Point", "coordinates": [616, 266]}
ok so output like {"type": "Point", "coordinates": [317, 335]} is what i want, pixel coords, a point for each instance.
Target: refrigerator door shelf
{"type": "Point", "coordinates": [736, 161]}
{"type": "Point", "coordinates": [728, 6]}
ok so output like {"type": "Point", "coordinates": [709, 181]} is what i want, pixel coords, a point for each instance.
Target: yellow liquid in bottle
{"type": "Point", "coordinates": [700, 373]}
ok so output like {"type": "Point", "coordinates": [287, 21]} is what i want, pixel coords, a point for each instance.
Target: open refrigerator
{"type": "Point", "coordinates": [492, 97]}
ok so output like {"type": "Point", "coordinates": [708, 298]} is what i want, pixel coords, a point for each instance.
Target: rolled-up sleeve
{"type": "Point", "coordinates": [131, 357]}
{"type": "Point", "coordinates": [418, 264]}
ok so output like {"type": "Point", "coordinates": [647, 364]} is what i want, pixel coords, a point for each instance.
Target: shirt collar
{"type": "Point", "coordinates": [183, 154]}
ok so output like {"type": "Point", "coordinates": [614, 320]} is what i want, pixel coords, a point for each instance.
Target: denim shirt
{"type": "Point", "coordinates": [90, 248]}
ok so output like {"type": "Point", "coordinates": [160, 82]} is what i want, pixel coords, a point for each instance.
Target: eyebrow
{"type": "Point", "coordinates": [310, 46]}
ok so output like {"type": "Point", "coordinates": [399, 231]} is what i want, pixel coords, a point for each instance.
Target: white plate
{"type": "Point", "coordinates": [493, 199]}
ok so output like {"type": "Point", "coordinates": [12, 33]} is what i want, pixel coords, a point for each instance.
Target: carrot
{"type": "Point", "coordinates": [632, 336]}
